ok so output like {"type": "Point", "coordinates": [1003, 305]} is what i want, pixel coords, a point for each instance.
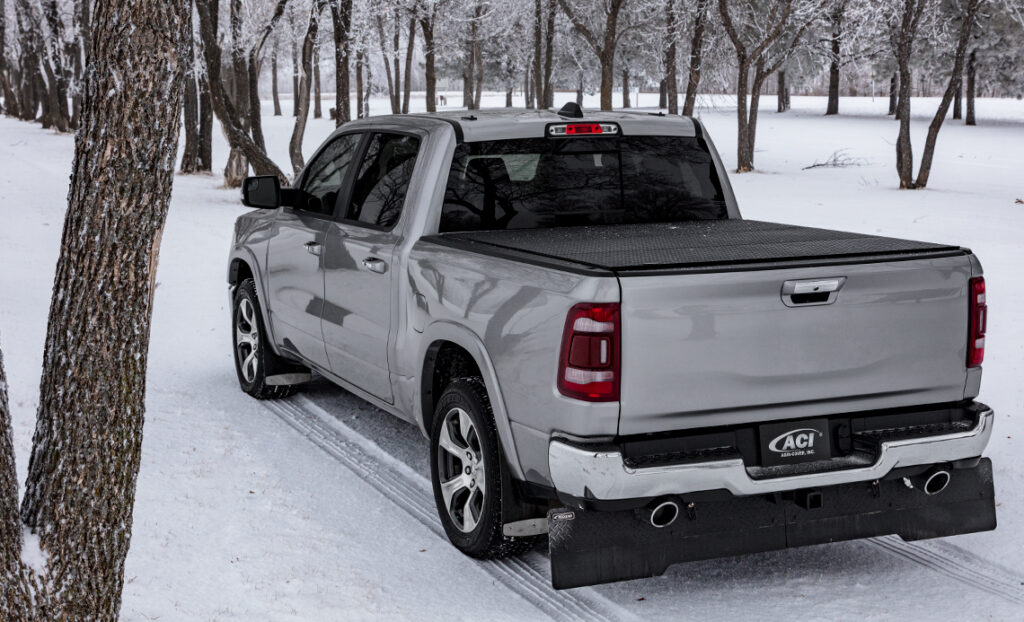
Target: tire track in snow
{"type": "Point", "coordinates": [411, 491]}
{"type": "Point", "coordinates": [958, 564]}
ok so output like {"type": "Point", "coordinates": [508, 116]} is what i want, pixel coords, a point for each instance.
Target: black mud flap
{"type": "Point", "coordinates": [590, 547]}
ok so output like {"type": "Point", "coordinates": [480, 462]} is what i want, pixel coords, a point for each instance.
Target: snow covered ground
{"type": "Point", "coordinates": [318, 508]}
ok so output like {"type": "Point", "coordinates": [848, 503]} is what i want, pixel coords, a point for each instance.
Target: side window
{"type": "Point", "coordinates": [378, 192]}
{"type": "Point", "coordinates": [323, 183]}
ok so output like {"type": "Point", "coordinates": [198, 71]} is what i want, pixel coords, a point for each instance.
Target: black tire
{"type": "Point", "coordinates": [254, 380]}
{"type": "Point", "coordinates": [484, 538]}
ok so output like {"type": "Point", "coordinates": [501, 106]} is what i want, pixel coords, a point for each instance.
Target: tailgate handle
{"type": "Point", "coordinates": [811, 292]}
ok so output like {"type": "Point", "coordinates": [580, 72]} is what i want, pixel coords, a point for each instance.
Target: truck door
{"type": "Point", "coordinates": [358, 258]}
{"type": "Point", "coordinates": [295, 273]}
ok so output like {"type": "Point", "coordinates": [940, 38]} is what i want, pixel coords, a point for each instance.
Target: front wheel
{"type": "Point", "coordinates": [252, 356]}
{"type": "Point", "coordinates": [466, 464]}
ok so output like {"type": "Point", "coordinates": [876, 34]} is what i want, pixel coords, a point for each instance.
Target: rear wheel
{"type": "Point", "coordinates": [466, 470]}
{"type": "Point", "coordinates": [252, 356]}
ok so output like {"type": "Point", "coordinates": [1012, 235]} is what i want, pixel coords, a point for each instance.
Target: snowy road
{"type": "Point", "coordinates": [319, 508]}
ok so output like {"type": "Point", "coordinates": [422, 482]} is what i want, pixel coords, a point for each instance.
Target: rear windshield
{"type": "Point", "coordinates": [561, 182]}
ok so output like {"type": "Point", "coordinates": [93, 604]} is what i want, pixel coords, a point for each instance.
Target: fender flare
{"type": "Point", "coordinates": [471, 343]}
{"type": "Point", "coordinates": [245, 254]}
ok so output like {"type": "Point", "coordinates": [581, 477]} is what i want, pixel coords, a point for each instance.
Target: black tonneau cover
{"type": "Point", "coordinates": [697, 245]}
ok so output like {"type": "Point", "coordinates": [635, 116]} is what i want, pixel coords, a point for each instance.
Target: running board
{"type": "Point", "coordinates": [591, 547]}
{"type": "Point", "coordinates": [288, 379]}
{"type": "Point", "coordinates": [528, 527]}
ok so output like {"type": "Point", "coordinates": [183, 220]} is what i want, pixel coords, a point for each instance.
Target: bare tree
{"type": "Point", "coordinates": [87, 444]}
{"type": "Point", "coordinates": [671, 82]}
{"type": "Point", "coordinates": [835, 20]}
{"type": "Point", "coordinates": [341, 19]}
{"type": "Point", "coordinates": [763, 39]}
{"type": "Point", "coordinates": [603, 42]}
{"type": "Point", "coordinates": [904, 26]}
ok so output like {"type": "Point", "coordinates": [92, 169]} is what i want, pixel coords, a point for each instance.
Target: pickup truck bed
{"type": "Point", "coordinates": [698, 246]}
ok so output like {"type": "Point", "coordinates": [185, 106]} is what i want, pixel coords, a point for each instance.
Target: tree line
{"type": "Point", "coordinates": [681, 48]}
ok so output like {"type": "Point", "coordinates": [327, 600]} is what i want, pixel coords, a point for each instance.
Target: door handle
{"type": "Point", "coordinates": [375, 265]}
{"type": "Point", "coordinates": [313, 248]}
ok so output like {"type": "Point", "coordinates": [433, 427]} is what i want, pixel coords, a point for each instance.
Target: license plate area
{"type": "Point", "coordinates": [794, 442]}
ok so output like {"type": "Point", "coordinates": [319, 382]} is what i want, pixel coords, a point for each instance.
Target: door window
{"type": "Point", "coordinates": [378, 192]}
{"type": "Point", "coordinates": [322, 185]}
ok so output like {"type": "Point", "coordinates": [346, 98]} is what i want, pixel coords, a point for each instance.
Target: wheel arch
{"type": "Point", "coordinates": [243, 265]}
{"type": "Point", "coordinates": [451, 350]}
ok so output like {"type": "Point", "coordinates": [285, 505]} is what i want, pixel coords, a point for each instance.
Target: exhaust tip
{"type": "Point", "coordinates": [664, 514]}
{"type": "Point", "coordinates": [936, 482]}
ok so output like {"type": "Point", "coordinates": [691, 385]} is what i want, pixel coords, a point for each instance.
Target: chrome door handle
{"type": "Point", "coordinates": [313, 248]}
{"type": "Point", "coordinates": [375, 265]}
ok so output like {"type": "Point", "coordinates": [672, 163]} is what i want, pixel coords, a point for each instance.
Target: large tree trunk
{"type": "Point", "coordinates": [835, 39]}
{"type": "Point", "coordinates": [903, 39]}
{"type": "Point", "coordinates": [295, 78]}
{"type": "Point", "coordinates": [671, 82]}
{"type": "Point", "coordinates": [971, 83]}
{"type": "Point", "coordinates": [528, 88]}
{"type": "Point", "coordinates": [295, 144]}
{"type": "Point", "coordinates": [958, 97]}
{"type": "Point", "coordinates": [190, 156]}
{"type": "Point", "coordinates": [783, 92]}
{"type": "Point", "coordinates": [15, 590]}
{"type": "Point", "coordinates": [538, 51]}
{"type": "Point", "coordinates": [427, 26]}
{"type": "Point", "coordinates": [341, 17]}
{"type": "Point", "coordinates": [238, 137]}
{"type": "Point", "coordinates": [547, 95]}
{"type": "Point", "coordinates": [33, 92]}
{"type": "Point", "coordinates": [479, 66]}
{"type": "Point", "coordinates": [607, 79]}
{"type": "Point", "coordinates": [10, 105]}
{"type": "Point", "coordinates": [696, 57]}
{"type": "Point", "coordinates": [467, 78]}
{"type": "Point", "coordinates": [410, 46]}
{"type": "Point", "coordinates": [966, 25]}
{"type": "Point", "coordinates": [80, 489]}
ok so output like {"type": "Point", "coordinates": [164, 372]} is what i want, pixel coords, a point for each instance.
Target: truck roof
{"type": "Point", "coordinates": [511, 123]}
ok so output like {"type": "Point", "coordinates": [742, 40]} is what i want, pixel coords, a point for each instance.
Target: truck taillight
{"type": "Point", "coordinates": [977, 323]}
{"type": "Point", "coordinates": [588, 368]}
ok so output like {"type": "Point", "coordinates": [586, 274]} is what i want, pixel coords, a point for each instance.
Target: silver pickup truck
{"type": "Point", "coordinates": [598, 347]}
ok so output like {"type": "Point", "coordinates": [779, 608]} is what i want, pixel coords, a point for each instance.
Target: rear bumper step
{"type": "Point", "coordinates": [589, 547]}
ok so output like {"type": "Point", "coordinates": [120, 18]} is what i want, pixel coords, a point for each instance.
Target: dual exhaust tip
{"type": "Point", "coordinates": [666, 512]}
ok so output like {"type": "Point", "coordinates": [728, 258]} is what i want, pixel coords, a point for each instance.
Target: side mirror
{"type": "Point", "coordinates": [263, 192]}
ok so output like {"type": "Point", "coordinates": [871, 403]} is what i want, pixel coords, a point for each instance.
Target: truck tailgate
{"type": "Point", "coordinates": [709, 338]}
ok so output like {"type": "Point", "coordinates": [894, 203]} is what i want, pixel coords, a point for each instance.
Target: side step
{"type": "Point", "coordinates": [589, 547]}
{"type": "Point", "coordinates": [288, 379]}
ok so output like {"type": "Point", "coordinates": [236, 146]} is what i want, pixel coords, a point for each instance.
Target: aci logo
{"type": "Point", "coordinates": [795, 442]}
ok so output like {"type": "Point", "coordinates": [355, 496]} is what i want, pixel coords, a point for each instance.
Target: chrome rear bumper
{"type": "Point", "coordinates": [603, 475]}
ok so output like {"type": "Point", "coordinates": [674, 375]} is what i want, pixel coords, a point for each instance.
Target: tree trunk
{"type": "Point", "coordinates": [190, 156]}
{"type": "Point", "coordinates": [11, 104]}
{"type": "Point", "coordinates": [538, 51]}
{"type": "Point", "coordinates": [579, 93]}
{"type": "Point", "coordinates": [783, 92]}
{"type": "Point", "coordinates": [663, 94]}
{"type": "Point", "coordinates": [32, 92]}
{"type": "Point", "coordinates": [904, 150]}
{"type": "Point", "coordinates": [57, 67]}
{"type": "Point", "coordinates": [696, 57]}
{"type": "Point", "coordinates": [894, 82]}
{"type": "Point", "coordinates": [607, 79]}
{"type": "Point", "coordinates": [744, 162]}
{"type": "Point", "coordinates": [971, 82]}
{"type": "Point", "coordinates": [318, 112]}
{"type": "Point", "coordinates": [479, 62]}
{"type": "Point", "coordinates": [547, 95]}
{"type": "Point", "coordinates": [237, 167]}
{"type": "Point", "coordinates": [302, 97]}
{"type": "Point", "coordinates": [467, 78]}
{"type": "Point", "coordinates": [87, 445]}
{"type": "Point", "coordinates": [295, 78]}
{"type": "Point", "coordinates": [396, 95]}
{"type": "Point", "coordinates": [15, 590]}
{"type": "Point", "coordinates": [508, 97]}
{"type": "Point", "coordinates": [625, 88]}
{"type": "Point", "coordinates": [341, 16]}
{"type": "Point", "coordinates": [409, 48]}
{"type": "Point", "coordinates": [969, 13]}
{"type": "Point", "coordinates": [273, 80]}
{"type": "Point", "coordinates": [429, 58]}
{"type": "Point", "coordinates": [835, 40]}
{"type": "Point", "coordinates": [671, 82]}
{"type": "Point", "coordinates": [958, 98]}
{"type": "Point", "coordinates": [359, 84]}
{"type": "Point", "coordinates": [528, 88]}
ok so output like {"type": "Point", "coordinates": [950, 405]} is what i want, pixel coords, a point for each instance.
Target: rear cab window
{"type": "Point", "coordinates": [571, 181]}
